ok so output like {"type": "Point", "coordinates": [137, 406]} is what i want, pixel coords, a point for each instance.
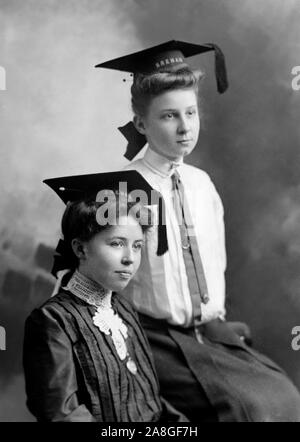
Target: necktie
{"type": "Point", "coordinates": [191, 255]}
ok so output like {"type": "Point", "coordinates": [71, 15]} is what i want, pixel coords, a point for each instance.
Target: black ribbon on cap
{"type": "Point", "coordinates": [136, 141]}
{"type": "Point", "coordinates": [65, 259]}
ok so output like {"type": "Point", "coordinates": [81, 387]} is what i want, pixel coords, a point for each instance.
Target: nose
{"type": "Point", "coordinates": [128, 257]}
{"type": "Point", "coordinates": [183, 126]}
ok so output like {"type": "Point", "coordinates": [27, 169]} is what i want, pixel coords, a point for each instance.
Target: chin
{"type": "Point", "coordinates": [120, 286]}
{"type": "Point", "coordinates": [183, 152]}
{"type": "Point", "coordinates": [187, 151]}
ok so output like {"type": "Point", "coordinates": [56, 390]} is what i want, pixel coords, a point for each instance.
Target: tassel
{"type": "Point", "coordinates": [220, 68]}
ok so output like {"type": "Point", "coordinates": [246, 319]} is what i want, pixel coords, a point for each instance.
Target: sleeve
{"type": "Point", "coordinates": [220, 229]}
{"type": "Point", "coordinates": [171, 414]}
{"type": "Point", "coordinates": [49, 368]}
{"type": "Point", "coordinates": [219, 214]}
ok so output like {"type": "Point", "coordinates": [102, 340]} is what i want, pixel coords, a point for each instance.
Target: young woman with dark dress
{"type": "Point", "coordinates": [86, 357]}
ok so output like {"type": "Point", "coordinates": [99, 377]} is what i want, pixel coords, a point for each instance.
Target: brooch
{"type": "Point", "coordinates": [110, 323]}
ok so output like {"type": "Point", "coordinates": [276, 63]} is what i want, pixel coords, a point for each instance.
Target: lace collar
{"type": "Point", "coordinates": [89, 290]}
{"type": "Point", "coordinates": [105, 318]}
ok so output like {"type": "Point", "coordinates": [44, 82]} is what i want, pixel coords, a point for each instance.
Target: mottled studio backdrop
{"type": "Point", "coordinates": [58, 116]}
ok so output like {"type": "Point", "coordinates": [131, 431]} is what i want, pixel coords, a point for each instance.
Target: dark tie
{"type": "Point", "coordinates": [191, 255]}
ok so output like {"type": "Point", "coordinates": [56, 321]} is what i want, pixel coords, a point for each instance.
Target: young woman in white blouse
{"type": "Point", "coordinates": [205, 367]}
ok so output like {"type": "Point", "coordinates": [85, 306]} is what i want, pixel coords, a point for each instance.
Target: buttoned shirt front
{"type": "Point", "coordinates": [160, 287]}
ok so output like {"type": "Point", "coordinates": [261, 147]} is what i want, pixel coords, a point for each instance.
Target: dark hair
{"type": "Point", "coordinates": [145, 87]}
{"type": "Point", "coordinates": [80, 219]}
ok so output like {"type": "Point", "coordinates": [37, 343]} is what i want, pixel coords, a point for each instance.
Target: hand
{"type": "Point", "coordinates": [242, 330]}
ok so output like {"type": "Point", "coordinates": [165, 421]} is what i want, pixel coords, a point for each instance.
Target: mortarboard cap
{"type": "Point", "coordinates": [129, 183]}
{"type": "Point", "coordinates": [166, 57]}
{"type": "Point", "coordinates": [169, 56]}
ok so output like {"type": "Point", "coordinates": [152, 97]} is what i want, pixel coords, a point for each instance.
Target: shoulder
{"type": "Point", "coordinates": [198, 183]}
{"type": "Point", "coordinates": [194, 174]}
{"type": "Point", "coordinates": [55, 302]}
{"type": "Point", "coordinates": [136, 165]}
{"type": "Point", "coordinates": [145, 171]}
{"type": "Point", "coordinates": [54, 311]}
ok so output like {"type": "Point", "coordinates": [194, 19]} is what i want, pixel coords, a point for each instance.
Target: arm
{"type": "Point", "coordinates": [50, 377]}
{"type": "Point", "coordinates": [171, 414]}
{"type": "Point", "coordinates": [240, 328]}
{"type": "Point", "coordinates": [219, 214]}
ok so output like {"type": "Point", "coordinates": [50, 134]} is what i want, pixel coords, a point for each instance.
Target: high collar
{"type": "Point", "coordinates": [89, 291]}
{"type": "Point", "coordinates": [159, 164]}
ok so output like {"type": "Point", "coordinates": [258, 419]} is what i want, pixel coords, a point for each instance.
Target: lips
{"type": "Point", "coordinates": [124, 274]}
{"type": "Point", "coordinates": [184, 141]}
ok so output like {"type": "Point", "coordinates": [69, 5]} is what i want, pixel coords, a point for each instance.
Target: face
{"type": "Point", "coordinates": [172, 123]}
{"type": "Point", "coordinates": [113, 256]}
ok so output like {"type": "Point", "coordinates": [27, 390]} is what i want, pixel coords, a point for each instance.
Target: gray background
{"type": "Point", "coordinates": [59, 116]}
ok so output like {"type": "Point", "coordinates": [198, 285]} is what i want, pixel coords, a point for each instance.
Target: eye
{"type": "Point", "coordinates": [117, 243]}
{"type": "Point", "coordinates": [192, 112]}
{"type": "Point", "coordinates": [168, 116]}
{"type": "Point", "coordinates": [138, 246]}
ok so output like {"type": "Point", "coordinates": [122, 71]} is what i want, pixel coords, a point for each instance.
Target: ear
{"type": "Point", "coordinates": [139, 124]}
{"type": "Point", "coordinates": [79, 248]}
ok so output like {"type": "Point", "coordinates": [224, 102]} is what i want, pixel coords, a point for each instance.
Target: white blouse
{"type": "Point", "coordinates": [160, 288]}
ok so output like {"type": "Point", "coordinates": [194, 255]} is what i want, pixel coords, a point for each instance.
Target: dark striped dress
{"type": "Point", "coordinates": [73, 372]}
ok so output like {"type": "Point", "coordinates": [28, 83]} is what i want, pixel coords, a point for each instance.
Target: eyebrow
{"type": "Point", "coordinates": [123, 238]}
{"type": "Point", "coordinates": [175, 109]}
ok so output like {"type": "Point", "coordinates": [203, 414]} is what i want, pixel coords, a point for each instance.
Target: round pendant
{"type": "Point", "coordinates": [130, 364]}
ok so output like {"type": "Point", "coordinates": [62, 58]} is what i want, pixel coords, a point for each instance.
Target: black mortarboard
{"type": "Point", "coordinates": [80, 187]}
{"type": "Point", "coordinates": [169, 56]}
{"type": "Point", "coordinates": [166, 57]}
